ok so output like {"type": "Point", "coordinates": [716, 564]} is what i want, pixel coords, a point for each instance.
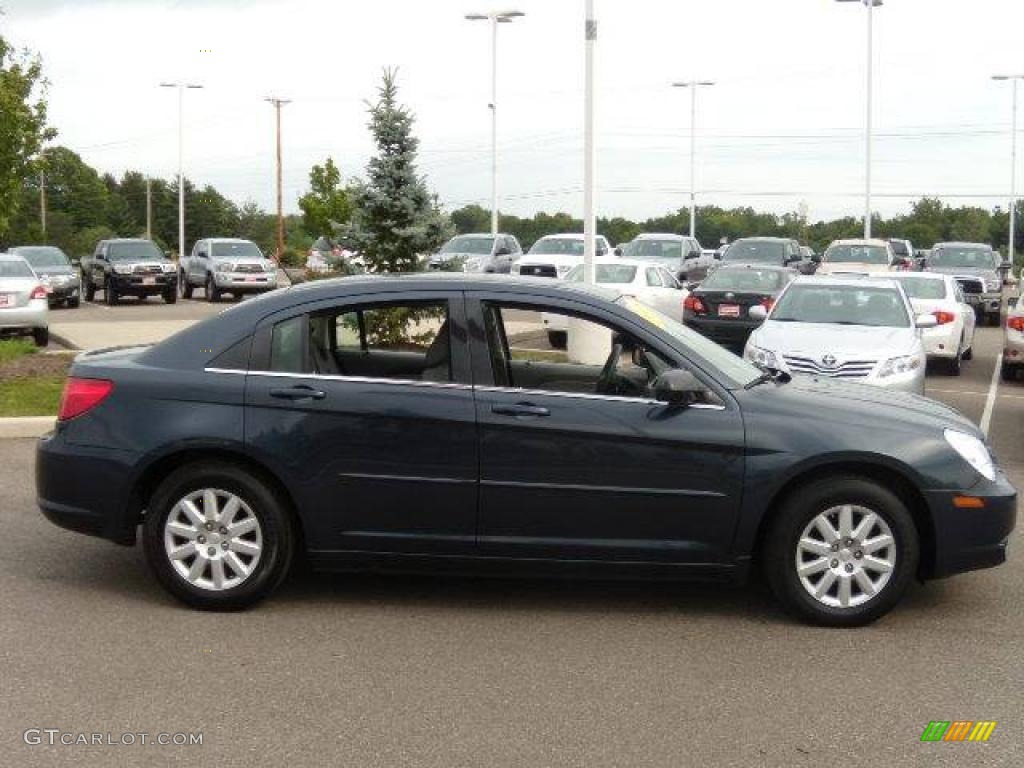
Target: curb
{"type": "Point", "coordinates": [63, 341]}
{"type": "Point", "coordinates": [25, 426]}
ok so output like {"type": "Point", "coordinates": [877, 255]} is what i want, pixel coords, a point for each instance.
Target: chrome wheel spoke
{"type": "Point", "coordinates": [185, 550]}
{"type": "Point", "coordinates": [227, 515]}
{"type": "Point", "coordinates": [234, 562]}
{"type": "Point", "coordinates": [864, 582]}
{"type": "Point", "coordinates": [813, 566]}
{"type": "Point", "coordinates": [217, 572]}
{"type": "Point", "coordinates": [877, 564]}
{"type": "Point", "coordinates": [192, 512]}
{"type": "Point", "coordinates": [864, 526]}
{"type": "Point", "coordinates": [210, 505]}
{"type": "Point", "coordinates": [197, 569]}
{"type": "Point", "coordinates": [825, 584]}
{"type": "Point", "coordinates": [879, 542]}
{"type": "Point", "coordinates": [845, 591]}
{"type": "Point", "coordinates": [242, 527]}
{"type": "Point", "coordinates": [845, 521]}
{"type": "Point", "coordinates": [815, 547]}
{"type": "Point", "coordinates": [243, 547]}
{"type": "Point", "coordinates": [181, 530]}
{"type": "Point", "coordinates": [824, 526]}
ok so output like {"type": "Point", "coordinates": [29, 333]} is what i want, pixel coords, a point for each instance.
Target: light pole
{"type": "Point", "coordinates": [181, 174]}
{"type": "Point", "coordinates": [500, 17]}
{"type": "Point", "coordinates": [869, 4]}
{"type": "Point", "coordinates": [1013, 163]}
{"type": "Point", "coordinates": [278, 103]}
{"type": "Point", "coordinates": [693, 85]}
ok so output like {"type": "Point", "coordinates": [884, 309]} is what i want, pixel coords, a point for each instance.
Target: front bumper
{"type": "Point", "coordinates": [62, 291]}
{"type": "Point", "coordinates": [144, 285]}
{"type": "Point", "coordinates": [969, 539]}
{"type": "Point", "coordinates": [245, 282]}
{"type": "Point", "coordinates": [84, 488]}
{"type": "Point", "coordinates": [35, 314]}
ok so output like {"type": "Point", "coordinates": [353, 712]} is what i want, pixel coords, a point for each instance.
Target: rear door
{"type": "Point", "coordinates": [577, 464]}
{"type": "Point", "coordinates": [366, 405]}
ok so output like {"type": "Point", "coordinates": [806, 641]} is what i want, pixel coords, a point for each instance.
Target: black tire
{"type": "Point", "coordinates": [796, 513]}
{"type": "Point", "coordinates": [953, 366]}
{"type": "Point", "coordinates": [109, 293]}
{"type": "Point", "coordinates": [969, 353]}
{"type": "Point", "coordinates": [89, 288]}
{"type": "Point", "coordinates": [212, 294]}
{"type": "Point", "coordinates": [184, 285]}
{"type": "Point", "coordinates": [74, 303]}
{"type": "Point", "coordinates": [41, 336]}
{"type": "Point", "coordinates": [1008, 372]}
{"type": "Point", "coordinates": [171, 295]}
{"type": "Point", "coordinates": [278, 539]}
{"type": "Point", "coordinates": [558, 339]}
{"type": "Point", "coordinates": [995, 319]}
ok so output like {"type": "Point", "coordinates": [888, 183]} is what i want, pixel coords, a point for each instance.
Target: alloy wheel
{"type": "Point", "coordinates": [845, 556]}
{"type": "Point", "coordinates": [212, 539]}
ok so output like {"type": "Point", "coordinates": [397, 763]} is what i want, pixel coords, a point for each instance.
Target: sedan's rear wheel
{"type": "Point", "coordinates": [841, 552]}
{"type": "Point", "coordinates": [217, 537]}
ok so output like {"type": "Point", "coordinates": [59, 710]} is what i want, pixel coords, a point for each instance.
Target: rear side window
{"type": "Point", "coordinates": [287, 353]}
{"type": "Point", "coordinates": [14, 268]}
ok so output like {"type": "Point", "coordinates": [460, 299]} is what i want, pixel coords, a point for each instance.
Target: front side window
{"type": "Point", "coordinates": [653, 278]}
{"type": "Point", "coordinates": [406, 341]}
{"type": "Point", "coordinates": [14, 268]}
{"type": "Point", "coordinates": [558, 245]}
{"type": "Point", "coordinates": [140, 249]}
{"type": "Point", "coordinates": [842, 305]}
{"type": "Point", "coordinates": [922, 287]}
{"type": "Point", "coordinates": [755, 252]}
{"type": "Point", "coordinates": [620, 274]}
{"type": "Point", "coordinates": [43, 256]}
{"type": "Point", "coordinates": [480, 246]}
{"type": "Point", "coordinates": [653, 249]}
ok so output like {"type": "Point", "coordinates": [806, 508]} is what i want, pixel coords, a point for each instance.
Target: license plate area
{"type": "Point", "coordinates": [728, 310]}
{"type": "Point", "coordinates": [6, 300]}
{"type": "Point", "coordinates": [149, 281]}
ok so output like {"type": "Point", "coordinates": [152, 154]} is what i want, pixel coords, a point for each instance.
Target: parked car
{"type": "Point", "coordinates": [129, 267]}
{"type": "Point", "coordinates": [920, 257]}
{"type": "Point", "coordinates": [555, 255]}
{"type": "Point", "coordinates": [719, 308]}
{"type": "Point", "coordinates": [952, 339]}
{"type": "Point", "coordinates": [479, 253]}
{"type": "Point", "coordinates": [775, 251]}
{"type": "Point", "coordinates": [55, 270]}
{"type": "Point", "coordinates": [843, 327]}
{"type": "Point", "coordinates": [24, 308]}
{"type": "Point", "coordinates": [807, 253]}
{"type": "Point", "coordinates": [976, 266]}
{"type": "Point", "coordinates": [1013, 342]}
{"type": "Point", "coordinates": [858, 257]}
{"type": "Point", "coordinates": [286, 445]}
{"type": "Point", "coordinates": [903, 252]}
{"type": "Point", "coordinates": [222, 265]}
{"type": "Point", "coordinates": [649, 283]}
{"type": "Point", "coordinates": [327, 255]}
{"type": "Point", "coordinates": [680, 254]}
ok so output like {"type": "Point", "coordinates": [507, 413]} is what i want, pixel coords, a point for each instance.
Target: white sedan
{"type": "Point", "coordinates": [952, 339]}
{"type": "Point", "coordinates": [649, 283]}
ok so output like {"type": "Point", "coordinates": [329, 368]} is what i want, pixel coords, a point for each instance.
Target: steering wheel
{"type": "Point", "coordinates": [606, 382]}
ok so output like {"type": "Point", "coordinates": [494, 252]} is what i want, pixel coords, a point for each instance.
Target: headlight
{"type": "Point", "coordinates": [763, 357]}
{"type": "Point", "coordinates": [973, 451]}
{"type": "Point", "coordinates": [515, 269]}
{"type": "Point", "coordinates": [167, 268]}
{"type": "Point", "coordinates": [121, 270]}
{"type": "Point", "coordinates": [993, 284]}
{"type": "Point", "coordinates": [269, 265]}
{"type": "Point", "coordinates": [563, 268]}
{"type": "Point", "coordinates": [471, 265]}
{"type": "Point", "coordinates": [224, 266]}
{"type": "Point", "coordinates": [897, 365]}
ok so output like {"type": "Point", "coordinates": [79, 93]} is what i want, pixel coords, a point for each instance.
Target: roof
{"type": "Point", "coordinates": [226, 239]}
{"type": "Point", "coordinates": [482, 234]}
{"type": "Point", "coordinates": [845, 279]}
{"type": "Point", "coordinates": [660, 236]}
{"type": "Point", "coordinates": [861, 241]}
{"type": "Point", "coordinates": [960, 244]}
{"type": "Point", "coordinates": [566, 236]}
{"type": "Point", "coordinates": [737, 265]}
{"type": "Point", "coordinates": [895, 276]}
{"type": "Point", "coordinates": [767, 239]}
{"type": "Point", "coordinates": [126, 240]}
{"type": "Point", "coordinates": [11, 257]}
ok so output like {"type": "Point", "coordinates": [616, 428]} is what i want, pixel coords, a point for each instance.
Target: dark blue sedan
{"type": "Point", "coordinates": [423, 422]}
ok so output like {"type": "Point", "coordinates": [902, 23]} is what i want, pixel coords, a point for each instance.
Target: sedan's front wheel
{"type": "Point", "coordinates": [217, 537]}
{"type": "Point", "coordinates": [841, 551]}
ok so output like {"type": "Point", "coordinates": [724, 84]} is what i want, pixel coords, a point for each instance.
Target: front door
{"type": "Point", "coordinates": [367, 406]}
{"type": "Point", "coordinates": [578, 462]}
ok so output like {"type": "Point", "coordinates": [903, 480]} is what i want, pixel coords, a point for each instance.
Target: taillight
{"type": "Point", "coordinates": [942, 317]}
{"type": "Point", "coordinates": [768, 302]}
{"type": "Point", "coordinates": [39, 292]}
{"type": "Point", "coordinates": [1016, 323]}
{"type": "Point", "coordinates": [81, 395]}
{"type": "Point", "coordinates": [694, 304]}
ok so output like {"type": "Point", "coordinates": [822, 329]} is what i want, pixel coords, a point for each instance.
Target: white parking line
{"type": "Point", "coordinates": [986, 416]}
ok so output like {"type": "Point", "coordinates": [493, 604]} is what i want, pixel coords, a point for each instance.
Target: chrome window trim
{"type": "Point", "coordinates": [455, 385]}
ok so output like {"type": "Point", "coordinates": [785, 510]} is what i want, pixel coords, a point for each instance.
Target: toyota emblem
{"type": "Point", "coordinates": [829, 361]}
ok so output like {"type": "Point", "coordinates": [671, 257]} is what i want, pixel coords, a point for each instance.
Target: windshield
{"type": "Point", "coordinates": [899, 248]}
{"type": "Point", "coordinates": [963, 256]}
{"type": "Point", "coordinates": [743, 279]}
{"type": "Point", "coordinates": [43, 256]}
{"type": "Point", "coordinates": [559, 245]}
{"type": "Point", "coordinates": [922, 287]}
{"type": "Point", "coordinates": [733, 367]}
{"type": "Point", "coordinates": [875, 306]}
{"type": "Point", "coordinates": [15, 268]}
{"type": "Point", "coordinates": [755, 252]}
{"type": "Point", "coordinates": [468, 244]}
{"type": "Point", "coordinates": [857, 254]}
{"type": "Point", "coordinates": [604, 273]}
{"type": "Point", "coordinates": [235, 251]}
{"type": "Point", "coordinates": [138, 249]}
{"type": "Point", "coordinates": [653, 249]}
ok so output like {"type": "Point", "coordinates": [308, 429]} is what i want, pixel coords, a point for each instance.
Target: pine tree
{"type": "Point", "coordinates": [395, 219]}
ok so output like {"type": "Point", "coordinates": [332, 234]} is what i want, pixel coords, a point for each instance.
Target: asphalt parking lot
{"type": "Point", "coordinates": [385, 671]}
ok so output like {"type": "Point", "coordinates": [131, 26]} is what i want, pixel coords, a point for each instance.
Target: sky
{"type": "Point", "coordinates": [782, 128]}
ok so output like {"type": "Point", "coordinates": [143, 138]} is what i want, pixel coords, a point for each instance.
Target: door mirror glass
{"type": "Point", "coordinates": [759, 312]}
{"type": "Point", "coordinates": [502, 250]}
{"type": "Point", "coordinates": [677, 388]}
{"type": "Point", "coordinates": [926, 321]}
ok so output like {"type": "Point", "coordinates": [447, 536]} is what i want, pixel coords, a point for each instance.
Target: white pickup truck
{"type": "Point", "coordinates": [222, 265]}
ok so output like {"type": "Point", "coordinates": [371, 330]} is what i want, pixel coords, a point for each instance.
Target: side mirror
{"type": "Point", "coordinates": [759, 312]}
{"type": "Point", "coordinates": [76, 262]}
{"type": "Point", "coordinates": [617, 251]}
{"type": "Point", "coordinates": [677, 388]}
{"type": "Point", "coordinates": [691, 285]}
{"type": "Point", "coordinates": [926, 321]}
{"type": "Point", "coordinates": [718, 255]}
{"type": "Point", "coordinates": [816, 258]}
{"type": "Point", "coordinates": [502, 250]}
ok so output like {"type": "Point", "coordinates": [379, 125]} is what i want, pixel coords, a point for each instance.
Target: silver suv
{"type": "Point", "coordinates": [222, 265]}
{"type": "Point", "coordinates": [976, 267]}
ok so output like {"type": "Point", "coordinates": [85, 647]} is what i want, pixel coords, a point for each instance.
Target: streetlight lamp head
{"type": "Point", "coordinates": [476, 16]}
{"type": "Point", "coordinates": [510, 14]}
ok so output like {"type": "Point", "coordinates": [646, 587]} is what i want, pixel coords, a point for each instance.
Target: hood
{"type": "Point", "coordinates": [854, 267]}
{"type": "Point", "coordinates": [989, 272]}
{"type": "Point", "coordinates": [557, 259]}
{"type": "Point", "coordinates": [843, 341]}
{"type": "Point", "coordinates": [65, 269]}
{"type": "Point", "coordinates": [446, 257]}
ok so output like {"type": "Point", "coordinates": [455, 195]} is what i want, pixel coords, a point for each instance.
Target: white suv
{"type": "Point", "coordinates": [555, 255]}
{"type": "Point", "coordinates": [222, 265]}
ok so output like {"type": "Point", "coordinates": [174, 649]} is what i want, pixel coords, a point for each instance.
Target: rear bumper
{"type": "Point", "coordinates": [35, 314]}
{"type": "Point", "coordinates": [986, 303]}
{"type": "Point", "coordinates": [729, 333]}
{"type": "Point", "coordinates": [84, 489]}
{"type": "Point", "coordinates": [969, 539]}
{"type": "Point", "coordinates": [942, 341]}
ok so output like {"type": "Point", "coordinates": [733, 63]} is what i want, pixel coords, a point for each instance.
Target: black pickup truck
{"type": "Point", "coordinates": [129, 267]}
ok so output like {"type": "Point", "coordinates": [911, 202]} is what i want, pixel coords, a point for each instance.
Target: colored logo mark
{"type": "Point", "coordinates": [958, 730]}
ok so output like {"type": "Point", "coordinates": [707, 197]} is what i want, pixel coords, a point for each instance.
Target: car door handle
{"type": "Point", "coordinates": [300, 392]}
{"type": "Point", "coordinates": [521, 410]}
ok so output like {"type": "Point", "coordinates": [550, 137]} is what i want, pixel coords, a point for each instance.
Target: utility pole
{"type": "Point", "coordinates": [1013, 165]}
{"type": "Point", "coordinates": [42, 201]}
{"type": "Point", "coordinates": [181, 154]}
{"type": "Point", "coordinates": [589, 216]}
{"type": "Point", "coordinates": [693, 85]}
{"type": "Point", "coordinates": [149, 208]}
{"type": "Point", "coordinates": [278, 103]}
